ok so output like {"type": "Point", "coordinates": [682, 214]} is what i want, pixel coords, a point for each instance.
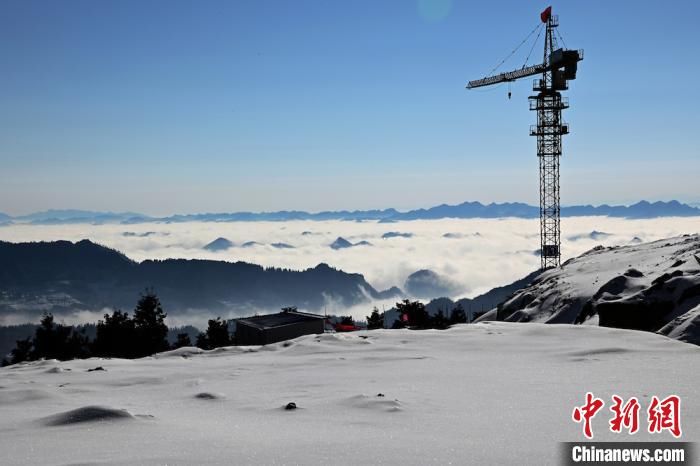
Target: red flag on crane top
{"type": "Point", "coordinates": [546, 14]}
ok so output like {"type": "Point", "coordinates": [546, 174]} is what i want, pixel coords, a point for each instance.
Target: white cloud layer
{"type": "Point", "coordinates": [502, 251]}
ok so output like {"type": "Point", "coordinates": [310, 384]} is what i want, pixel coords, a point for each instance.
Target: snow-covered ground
{"type": "Point", "coordinates": [491, 393]}
{"type": "Point", "coordinates": [653, 286]}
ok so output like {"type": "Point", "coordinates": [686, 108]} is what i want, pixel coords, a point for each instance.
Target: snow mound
{"type": "Point", "coordinates": [183, 352]}
{"type": "Point", "coordinates": [87, 414]}
{"type": "Point", "coordinates": [652, 286]}
{"type": "Point", "coordinates": [377, 403]}
{"type": "Point", "coordinates": [55, 370]}
{"type": "Point", "coordinates": [209, 396]}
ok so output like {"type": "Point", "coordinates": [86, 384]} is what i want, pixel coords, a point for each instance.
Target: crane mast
{"type": "Point", "coordinates": [557, 68]}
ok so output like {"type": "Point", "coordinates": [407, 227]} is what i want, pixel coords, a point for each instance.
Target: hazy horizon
{"type": "Point", "coordinates": [315, 211]}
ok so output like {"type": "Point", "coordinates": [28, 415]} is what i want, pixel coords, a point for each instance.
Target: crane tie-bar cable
{"type": "Point", "coordinates": [533, 47]}
{"type": "Point", "coordinates": [515, 49]}
{"type": "Point", "coordinates": [560, 37]}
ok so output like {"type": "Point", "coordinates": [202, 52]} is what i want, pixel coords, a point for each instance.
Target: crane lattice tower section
{"type": "Point", "coordinates": [548, 103]}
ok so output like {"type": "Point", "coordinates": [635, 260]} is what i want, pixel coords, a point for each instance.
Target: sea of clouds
{"type": "Point", "coordinates": [474, 255]}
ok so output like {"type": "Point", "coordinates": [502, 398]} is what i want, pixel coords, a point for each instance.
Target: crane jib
{"type": "Point", "coordinates": [561, 62]}
{"type": "Point", "coordinates": [509, 76]}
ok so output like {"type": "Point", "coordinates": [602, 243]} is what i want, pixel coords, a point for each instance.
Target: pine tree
{"type": "Point", "coordinates": [22, 351]}
{"type": "Point", "coordinates": [418, 316]}
{"type": "Point", "coordinates": [116, 336]}
{"type": "Point", "coordinates": [202, 341]}
{"type": "Point", "coordinates": [440, 321]}
{"type": "Point", "coordinates": [458, 316]}
{"type": "Point", "coordinates": [149, 325]}
{"type": "Point", "coordinates": [375, 320]}
{"type": "Point", "coordinates": [51, 340]}
{"type": "Point", "coordinates": [183, 340]}
{"type": "Point", "coordinates": [217, 333]}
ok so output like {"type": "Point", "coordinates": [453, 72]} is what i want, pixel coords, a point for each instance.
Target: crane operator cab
{"type": "Point", "coordinates": [563, 64]}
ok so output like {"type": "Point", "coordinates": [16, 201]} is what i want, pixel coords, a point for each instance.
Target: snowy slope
{"type": "Point", "coordinates": [652, 286]}
{"type": "Point", "coordinates": [491, 393]}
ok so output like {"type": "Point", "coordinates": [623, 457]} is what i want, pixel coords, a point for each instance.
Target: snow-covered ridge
{"type": "Point", "coordinates": [652, 286]}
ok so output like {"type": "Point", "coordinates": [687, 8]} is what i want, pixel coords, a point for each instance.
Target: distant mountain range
{"type": "Point", "coordinates": [65, 276]}
{"type": "Point", "coordinates": [642, 209]}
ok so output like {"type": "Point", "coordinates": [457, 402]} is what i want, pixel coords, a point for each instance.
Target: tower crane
{"type": "Point", "coordinates": [557, 68]}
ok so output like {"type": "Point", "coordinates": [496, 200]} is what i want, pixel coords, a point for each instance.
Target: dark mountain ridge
{"type": "Point", "coordinates": [61, 275]}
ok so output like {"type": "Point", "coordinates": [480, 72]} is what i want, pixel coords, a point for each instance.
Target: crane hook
{"type": "Point", "coordinates": [509, 93]}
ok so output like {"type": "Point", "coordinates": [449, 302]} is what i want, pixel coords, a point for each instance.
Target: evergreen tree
{"type": "Point", "coordinates": [149, 325]}
{"type": "Point", "coordinates": [183, 339]}
{"type": "Point", "coordinates": [418, 316]}
{"type": "Point", "coordinates": [115, 336]}
{"type": "Point", "coordinates": [217, 333]}
{"type": "Point", "coordinates": [458, 316]}
{"type": "Point", "coordinates": [375, 320]}
{"type": "Point", "coordinates": [439, 321]}
{"type": "Point", "coordinates": [202, 341]}
{"type": "Point", "coordinates": [51, 340]}
{"type": "Point", "coordinates": [78, 344]}
{"type": "Point", "coordinates": [22, 352]}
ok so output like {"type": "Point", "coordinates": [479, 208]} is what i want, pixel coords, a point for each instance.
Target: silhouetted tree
{"type": "Point", "coordinates": [22, 351]}
{"type": "Point", "coordinates": [115, 336]}
{"type": "Point", "coordinates": [439, 320]}
{"type": "Point", "coordinates": [217, 333]}
{"type": "Point", "coordinates": [346, 320]}
{"type": "Point", "coordinates": [78, 344]}
{"type": "Point", "coordinates": [51, 340]}
{"type": "Point", "coordinates": [375, 320]}
{"type": "Point", "coordinates": [149, 325]}
{"type": "Point", "coordinates": [458, 316]}
{"type": "Point", "coordinates": [202, 341]}
{"type": "Point", "coordinates": [289, 309]}
{"type": "Point", "coordinates": [183, 339]}
{"type": "Point", "coordinates": [418, 316]}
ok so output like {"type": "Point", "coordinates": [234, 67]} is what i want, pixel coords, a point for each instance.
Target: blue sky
{"type": "Point", "coordinates": [184, 106]}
